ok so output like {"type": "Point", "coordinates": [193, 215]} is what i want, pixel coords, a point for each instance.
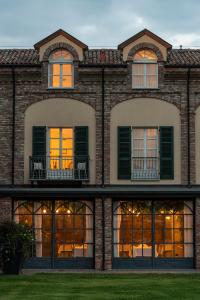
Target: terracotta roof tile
{"type": "Point", "coordinates": [184, 57]}
{"type": "Point", "coordinates": [18, 56]}
{"type": "Point", "coordinates": [97, 56]}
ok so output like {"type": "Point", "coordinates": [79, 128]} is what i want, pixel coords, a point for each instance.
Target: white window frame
{"type": "Point", "coordinates": [57, 172]}
{"type": "Point", "coordinates": [145, 151]}
{"type": "Point", "coordinates": [145, 63]}
{"type": "Point", "coordinates": [60, 62]}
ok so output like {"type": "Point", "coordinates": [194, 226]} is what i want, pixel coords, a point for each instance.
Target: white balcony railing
{"type": "Point", "coordinates": [59, 168]}
{"type": "Point", "coordinates": [145, 168]}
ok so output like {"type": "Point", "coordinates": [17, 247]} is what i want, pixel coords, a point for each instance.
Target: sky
{"type": "Point", "coordinates": [99, 23]}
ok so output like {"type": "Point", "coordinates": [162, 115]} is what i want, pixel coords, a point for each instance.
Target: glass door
{"type": "Point", "coordinates": [60, 153]}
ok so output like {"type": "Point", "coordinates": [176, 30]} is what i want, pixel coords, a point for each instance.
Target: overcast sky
{"type": "Point", "coordinates": [99, 23]}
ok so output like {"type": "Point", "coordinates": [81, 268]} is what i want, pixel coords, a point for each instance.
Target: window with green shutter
{"type": "Point", "coordinates": [38, 162]}
{"type": "Point", "coordinates": [81, 152]}
{"type": "Point", "coordinates": [124, 152]}
{"type": "Point", "coordinates": [166, 152]}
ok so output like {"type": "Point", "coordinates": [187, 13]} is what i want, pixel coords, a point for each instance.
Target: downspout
{"type": "Point", "coordinates": [13, 125]}
{"type": "Point", "coordinates": [102, 162]}
{"type": "Point", "coordinates": [188, 126]}
{"type": "Point", "coordinates": [102, 124]}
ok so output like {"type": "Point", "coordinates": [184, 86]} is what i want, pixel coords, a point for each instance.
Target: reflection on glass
{"type": "Point", "coordinates": [73, 227]}
{"type": "Point", "coordinates": [61, 149]}
{"type": "Point", "coordinates": [134, 235]}
{"type": "Point", "coordinates": [145, 55]}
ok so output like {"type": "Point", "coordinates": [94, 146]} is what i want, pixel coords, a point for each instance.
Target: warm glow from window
{"type": "Point", "coordinates": [145, 55]}
{"type": "Point", "coordinates": [61, 69]}
{"type": "Point", "coordinates": [61, 148]}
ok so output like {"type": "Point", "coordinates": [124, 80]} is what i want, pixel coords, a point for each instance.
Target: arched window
{"type": "Point", "coordinates": [153, 229]}
{"type": "Point", "coordinates": [145, 70]}
{"type": "Point", "coordinates": [62, 227]}
{"type": "Point", "coordinates": [61, 69]}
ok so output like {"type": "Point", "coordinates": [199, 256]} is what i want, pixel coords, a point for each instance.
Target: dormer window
{"type": "Point", "coordinates": [145, 70]}
{"type": "Point", "coordinates": [61, 69]}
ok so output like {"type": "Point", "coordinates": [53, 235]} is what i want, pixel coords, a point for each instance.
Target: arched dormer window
{"type": "Point", "coordinates": [61, 69]}
{"type": "Point", "coordinates": [145, 70]}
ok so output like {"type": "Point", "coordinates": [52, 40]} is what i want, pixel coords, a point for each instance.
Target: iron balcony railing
{"type": "Point", "coordinates": [145, 168]}
{"type": "Point", "coordinates": [59, 168]}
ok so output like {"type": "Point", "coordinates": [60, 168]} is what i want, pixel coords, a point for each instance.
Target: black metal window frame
{"type": "Point", "coordinates": [153, 242]}
{"type": "Point", "coordinates": [50, 207]}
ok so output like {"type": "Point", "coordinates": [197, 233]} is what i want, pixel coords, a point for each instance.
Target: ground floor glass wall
{"type": "Point", "coordinates": [159, 229]}
{"type": "Point", "coordinates": [62, 229]}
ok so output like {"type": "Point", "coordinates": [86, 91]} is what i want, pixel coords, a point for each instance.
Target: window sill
{"type": "Point", "coordinates": [60, 88]}
{"type": "Point", "coordinates": [134, 88]}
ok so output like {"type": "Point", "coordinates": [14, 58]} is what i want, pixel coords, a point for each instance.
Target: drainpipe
{"type": "Point", "coordinates": [102, 162]}
{"type": "Point", "coordinates": [13, 125]}
{"type": "Point", "coordinates": [188, 126]}
{"type": "Point", "coordinates": [102, 124]}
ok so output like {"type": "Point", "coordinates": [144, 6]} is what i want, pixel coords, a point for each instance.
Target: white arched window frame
{"type": "Point", "coordinates": [145, 70]}
{"type": "Point", "coordinates": [61, 70]}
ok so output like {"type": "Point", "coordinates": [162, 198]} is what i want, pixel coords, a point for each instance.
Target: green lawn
{"type": "Point", "coordinates": [100, 286]}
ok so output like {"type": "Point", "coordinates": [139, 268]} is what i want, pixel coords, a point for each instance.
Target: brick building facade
{"type": "Point", "coordinates": [99, 152]}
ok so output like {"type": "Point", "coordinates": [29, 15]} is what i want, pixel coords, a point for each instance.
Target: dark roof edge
{"type": "Point", "coordinates": [57, 33]}
{"type": "Point", "coordinates": [141, 33]}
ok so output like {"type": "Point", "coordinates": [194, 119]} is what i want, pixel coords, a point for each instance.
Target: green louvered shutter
{"type": "Point", "coordinates": [166, 152]}
{"type": "Point", "coordinates": [81, 152]}
{"type": "Point", "coordinates": [39, 151]}
{"type": "Point", "coordinates": [124, 152]}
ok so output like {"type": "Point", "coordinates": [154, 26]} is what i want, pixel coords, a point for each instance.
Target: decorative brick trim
{"type": "Point", "coordinates": [60, 46]}
{"type": "Point", "coordinates": [145, 46]}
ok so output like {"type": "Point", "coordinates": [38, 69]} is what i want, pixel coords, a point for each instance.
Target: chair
{"type": "Point", "coordinates": [81, 168]}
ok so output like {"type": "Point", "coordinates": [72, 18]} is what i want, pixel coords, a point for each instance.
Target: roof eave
{"type": "Point", "coordinates": [57, 33]}
{"type": "Point", "coordinates": [140, 34]}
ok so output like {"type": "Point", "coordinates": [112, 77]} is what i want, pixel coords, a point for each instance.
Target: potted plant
{"type": "Point", "coordinates": [15, 244]}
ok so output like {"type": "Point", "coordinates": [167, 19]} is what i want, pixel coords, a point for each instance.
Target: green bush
{"type": "Point", "coordinates": [15, 244]}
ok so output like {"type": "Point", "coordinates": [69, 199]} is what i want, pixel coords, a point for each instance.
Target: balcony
{"type": "Point", "coordinates": [145, 168]}
{"type": "Point", "coordinates": [59, 168]}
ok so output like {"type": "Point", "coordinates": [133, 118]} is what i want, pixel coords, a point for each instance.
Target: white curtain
{"type": "Point", "coordinates": [188, 233]}
{"type": "Point", "coordinates": [117, 225]}
{"type": "Point", "coordinates": [89, 225]}
{"type": "Point", "coordinates": [38, 228]}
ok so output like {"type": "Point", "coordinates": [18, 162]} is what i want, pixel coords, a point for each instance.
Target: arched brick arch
{"type": "Point", "coordinates": [56, 46]}
{"type": "Point", "coordinates": [143, 46]}
{"type": "Point", "coordinates": [170, 99]}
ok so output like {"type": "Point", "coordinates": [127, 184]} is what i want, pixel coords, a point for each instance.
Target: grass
{"type": "Point", "coordinates": [100, 286]}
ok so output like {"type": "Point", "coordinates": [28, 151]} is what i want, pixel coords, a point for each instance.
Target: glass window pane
{"type": "Point", "coordinates": [188, 221]}
{"type": "Point", "coordinates": [178, 236]}
{"type": "Point", "coordinates": [151, 69]}
{"type": "Point", "coordinates": [56, 69]}
{"type": "Point", "coordinates": [67, 69]}
{"type": "Point", "coordinates": [54, 143]}
{"type": "Point", "coordinates": [88, 250]}
{"type": "Point", "coordinates": [55, 81]}
{"type": "Point", "coordinates": [137, 236]}
{"type": "Point", "coordinates": [188, 236]}
{"type": "Point", "coordinates": [159, 235]}
{"type": "Point", "coordinates": [67, 143]}
{"type": "Point", "coordinates": [60, 55]}
{"type": "Point", "coordinates": [145, 55]}
{"type": "Point", "coordinates": [54, 153]}
{"type": "Point", "coordinates": [67, 133]}
{"type": "Point", "coordinates": [151, 81]}
{"type": "Point", "coordinates": [138, 81]}
{"type": "Point", "coordinates": [67, 81]}
{"type": "Point", "coordinates": [54, 133]}
{"type": "Point", "coordinates": [147, 236]}
{"type": "Point", "coordinates": [179, 250]}
{"type": "Point", "coordinates": [147, 221]}
{"type": "Point", "coordinates": [179, 221]}
{"type": "Point", "coordinates": [138, 133]}
{"type": "Point", "coordinates": [188, 250]}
